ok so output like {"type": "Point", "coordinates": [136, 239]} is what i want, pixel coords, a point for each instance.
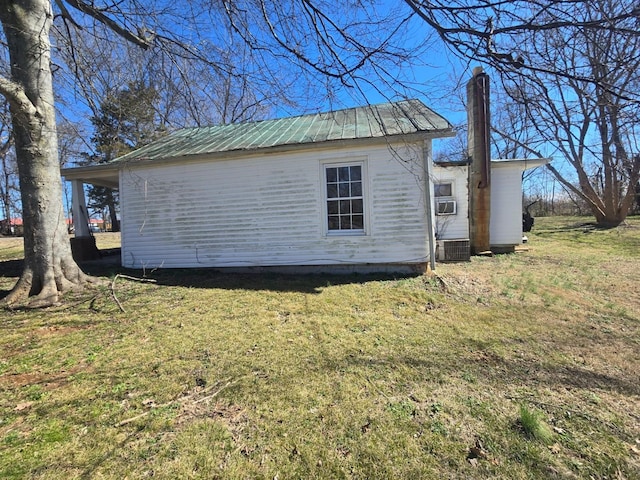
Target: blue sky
{"type": "Point", "coordinates": [433, 75]}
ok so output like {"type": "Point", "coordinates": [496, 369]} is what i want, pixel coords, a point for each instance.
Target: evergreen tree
{"type": "Point", "coordinates": [126, 120]}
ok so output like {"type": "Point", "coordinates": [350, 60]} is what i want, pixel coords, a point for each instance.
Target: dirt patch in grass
{"type": "Point", "coordinates": [46, 381]}
{"type": "Point", "coordinates": [468, 283]}
{"type": "Point", "coordinates": [21, 379]}
{"type": "Point", "coordinates": [233, 417]}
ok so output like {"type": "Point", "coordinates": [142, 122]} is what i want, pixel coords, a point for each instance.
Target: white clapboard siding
{"type": "Point", "coordinates": [452, 227]}
{"type": "Point", "coordinates": [269, 211]}
{"type": "Point", "coordinates": [506, 204]}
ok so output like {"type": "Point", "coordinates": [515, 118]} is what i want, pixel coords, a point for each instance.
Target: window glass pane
{"type": "Point", "coordinates": [356, 189]}
{"type": "Point", "coordinates": [343, 174]}
{"type": "Point", "coordinates": [332, 174]}
{"type": "Point", "coordinates": [334, 222]}
{"type": "Point", "coordinates": [356, 173]}
{"type": "Point", "coordinates": [443, 190]}
{"type": "Point", "coordinates": [332, 207]}
{"type": "Point", "coordinates": [345, 206]}
{"type": "Point", "coordinates": [356, 206]}
{"type": "Point", "coordinates": [345, 223]}
{"type": "Point", "coordinates": [332, 190]}
{"type": "Point", "coordinates": [343, 189]}
{"type": "Point", "coordinates": [357, 222]}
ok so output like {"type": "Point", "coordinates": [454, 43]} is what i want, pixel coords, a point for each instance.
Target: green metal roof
{"type": "Point", "coordinates": [374, 121]}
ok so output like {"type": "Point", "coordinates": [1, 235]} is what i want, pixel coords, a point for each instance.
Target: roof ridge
{"type": "Point", "coordinates": [302, 115]}
{"type": "Point", "coordinates": [392, 119]}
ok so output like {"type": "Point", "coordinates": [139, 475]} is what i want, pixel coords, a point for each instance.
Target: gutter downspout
{"type": "Point", "coordinates": [431, 237]}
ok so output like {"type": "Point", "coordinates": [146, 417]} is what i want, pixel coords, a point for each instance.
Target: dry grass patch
{"type": "Point", "coordinates": [212, 375]}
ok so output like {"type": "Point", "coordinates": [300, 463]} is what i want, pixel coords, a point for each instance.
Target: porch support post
{"type": "Point", "coordinates": [83, 245]}
{"type": "Point", "coordinates": [79, 209]}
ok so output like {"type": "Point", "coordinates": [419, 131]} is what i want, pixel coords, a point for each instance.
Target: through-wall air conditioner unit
{"type": "Point", "coordinates": [454, 250]}
{"type": "Point", "coordinates": [446, 207]}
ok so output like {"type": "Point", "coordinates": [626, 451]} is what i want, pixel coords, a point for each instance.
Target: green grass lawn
{"type": "Point", "coordinates": [514, 366]}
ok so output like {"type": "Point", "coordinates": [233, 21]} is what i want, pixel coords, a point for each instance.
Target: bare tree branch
{"type": "Point", "coordinates": [66, 15]}
{"type": "Point", "coordinates": [92, 11]}
{"type": "Point", "coordinates": [17, 97]}
{"type": "Point", "coordinates": [489, 31]}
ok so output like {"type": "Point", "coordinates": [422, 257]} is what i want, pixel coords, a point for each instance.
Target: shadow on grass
{"type": "Point", "coordinates": [208, 278]}
{"type": "Point", "coordinates": [495, 370]}
{"type": "Point", "coordinates": [582, 227]}
{"type": "Point", "coordinates": [278, 282]}
{"type": "Point", "coordinates": [527, 372]}
{"type": "Point", "coordinates": [11, 268]}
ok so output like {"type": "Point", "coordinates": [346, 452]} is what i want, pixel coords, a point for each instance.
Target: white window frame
{"type": "Point", "coordinates": [444, 182]}
{"type": "Point", "coordinates": [358, 162]}
{"type": "Point", "coordinates": [445, 199]}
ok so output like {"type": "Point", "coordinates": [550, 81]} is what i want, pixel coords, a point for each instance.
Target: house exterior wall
{"type": "Point", "coordinates": [270, 210]}
{"type": "Point", "coordinates": [506, 204]}
{"type": "Point", "coordinates": [456, 226]}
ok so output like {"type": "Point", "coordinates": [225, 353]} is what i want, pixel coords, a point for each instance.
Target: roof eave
{"type": "Point", "coordinates": [524, 163]}
{"type": "Point", "coordinates": [107, 174]}
{"type": "Point", "coordinates": [326, 144]}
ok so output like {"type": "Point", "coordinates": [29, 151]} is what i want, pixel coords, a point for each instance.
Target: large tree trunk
{"type": "Point", "coordinates": [49, 268]}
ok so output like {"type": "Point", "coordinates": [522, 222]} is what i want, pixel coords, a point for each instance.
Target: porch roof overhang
{"type": "Point", "coordinates": [101, 175]}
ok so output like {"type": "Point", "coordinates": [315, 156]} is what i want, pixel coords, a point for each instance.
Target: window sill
{"type": "Point", "coordinates": [346, 233]}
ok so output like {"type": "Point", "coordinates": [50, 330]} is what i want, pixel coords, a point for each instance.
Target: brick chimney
{"type": "Point", "coordinates": [479, 126]}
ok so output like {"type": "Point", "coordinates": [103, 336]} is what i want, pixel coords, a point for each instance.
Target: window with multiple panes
{"type": "Point", "coordinates": [345, 200]}
{"type": "Point", "coordinates": [445, 202]}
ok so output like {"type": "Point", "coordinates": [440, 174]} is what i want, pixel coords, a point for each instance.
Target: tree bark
{"type": "Point", "coordinates": [49, 268]}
